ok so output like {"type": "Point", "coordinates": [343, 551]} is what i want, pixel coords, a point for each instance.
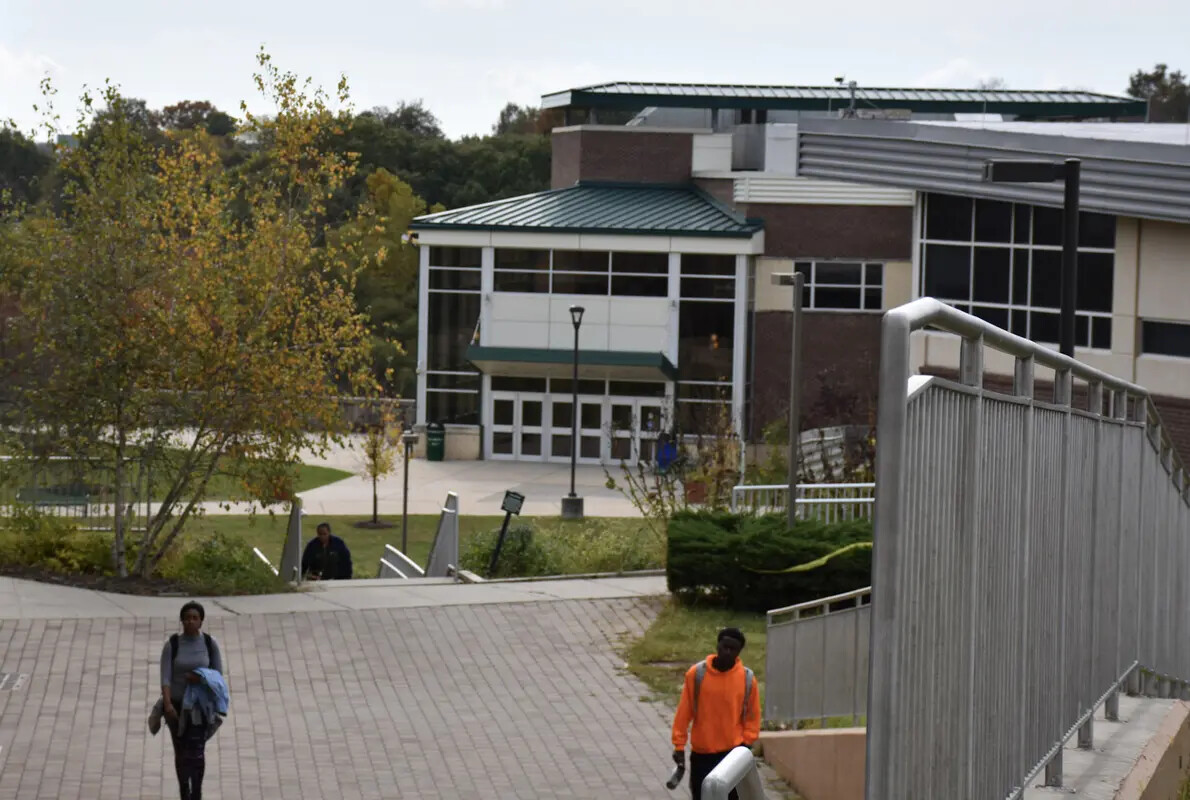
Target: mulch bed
{"type": "Point", "coordinates": [150, 587]}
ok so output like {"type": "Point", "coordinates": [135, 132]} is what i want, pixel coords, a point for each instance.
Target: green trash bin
{"type": "Point", "coordinates": [435, 441]}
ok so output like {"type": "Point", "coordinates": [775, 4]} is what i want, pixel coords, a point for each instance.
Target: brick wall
{"type": "Point", "coordinates": [841, 358]}
{"type": "Point", "coordinates": [803, 231]}
{"type": "Point", "coordinates": [613, 155]}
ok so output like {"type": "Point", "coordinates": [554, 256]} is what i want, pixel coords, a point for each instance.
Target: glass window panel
{"type": "Point", "coordinates": [826, 297]}
{"type": "Point", "coordinates": [721, 288]}
{"type": "Point", "coordinates": [993, 221]}
{"type": "Point", "coordinates": [451, 324]}
{"type": "Point", "coordinates": [456, 256]}
{"type": "Point", "coordinates": [1165, 338]}
{"type": "Point", "coordinates": [621, 448]}
{"type": "Point", "coordinates": [1047, 225]}
{"type": "Point", "coordinates": [590, 447]}
{"type": "Point", "coordinates": [996, 316]}
{"type": "Point", "coordinates": [537, 282]}
{"type": "Point", "coordinates": [650, 419]}
{"type": "Point", "coordinates": [696, 418]}
{"type": "Point", "coordinates": [1021, 220]}
{"type": "Point", "coordinates": [1020, 323]}
{"type": "Point", "coordinates": [438, 381]}
{"type": "Point", "coordinates": [531, 413]}
{"type": "Point", "coordinates": [874, 274]}
{"type": "Point", "coordinates": [838, 272]}
{"type": "Point", "coordinates": [581, 260]}
{"type": "Point", "coordinates": [465, 279]}
{"type": "Point", "coordinates": [638, 286]}
{"type": "Point", "coordinates": [806, 268]}
{"type": "Point", "coordinates": [1043, 327]}
{"type": "Point", "coordinates": [948, 217]}
{"type": "Point", "coordinates": [705, 264]}
{"type": "Point", "coordinates": [705, 341]}
{"type": "Point", "coordinates": [948, 272]}
{"type": "Point", "coordinates": [991, 274]}
{"type": "Point", "coordinates": [560, 445]}
{"type": "Point", "coordinates": [507, 258]}
{"type": "Point", "coordinates": [560, 415]}
{"type": "Point", "coordinates": [650, 263]}
{"type": "Point", "coordinates": [502, 442]}
{"type": "Point", "coordinates": [1082, 331]}
{"type": "Point", "coordinates": [530, 444]}
{"type": "Point", "coordinates": [1020, 276]}
{"type": "Point", "coordinates": [648, 450]}
{"type": "Point", "coordinates": [456, 408]}
{"type": "Point", "coordinates": [591, 415]}
{"type": "Point", "coordinates": [807, 296]}
{"type": "Point", "coordinates": [506, 383]}
{"type": "Point", "coordinates": [873, 300]}
{"type": "Point", "coordinates": [1101, 333]}
{"type": "Point", "coordinates": [622, 417]}
{"type": "Point", "coordinates": [717, 392]}
{"type": "Point", "coordinates": [636, 389]}
{"type": "Point", "coordinates": [1047, 279]}
{"type": "Point", "coordinates": [1096, 230]}
{"type": "Point", "coordinates": [579, 283]}
{"type": "Point", "coordinates": [502, 412]}
{"type": "Point", "coordinates": [566, 386]}
{"type": "Point", "coordinates": [1095, 281]}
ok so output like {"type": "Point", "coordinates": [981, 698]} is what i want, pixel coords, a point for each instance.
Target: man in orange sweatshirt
{"type": "Point", "coordinates": [721, 699]}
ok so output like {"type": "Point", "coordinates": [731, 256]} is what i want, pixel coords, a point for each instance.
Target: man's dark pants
{"type": "Point", "coordinates": [701, 765]}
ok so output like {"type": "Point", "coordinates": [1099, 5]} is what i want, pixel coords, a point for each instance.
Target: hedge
{"type": "Point", "coordinates": [729, 559]}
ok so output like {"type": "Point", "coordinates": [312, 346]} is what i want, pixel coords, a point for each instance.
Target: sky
{"type": "Point", "coordinates": [467, 58]}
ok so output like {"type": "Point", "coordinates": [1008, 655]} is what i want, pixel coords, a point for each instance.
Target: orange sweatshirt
{"type": "Point", "coordinates": [718, 727]}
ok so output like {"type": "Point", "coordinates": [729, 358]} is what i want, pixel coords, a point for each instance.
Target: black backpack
{"type": "Point", "coordinates": [173, 648]}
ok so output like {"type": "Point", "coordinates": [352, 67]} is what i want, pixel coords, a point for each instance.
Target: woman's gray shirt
{"type": "Point", "coordinates": [192, 654]}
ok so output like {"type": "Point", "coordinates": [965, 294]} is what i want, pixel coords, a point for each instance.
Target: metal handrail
{"type": "Point", "coordinates": [738, 772]}
{"type": "Point", "coordinates": [825, 601]}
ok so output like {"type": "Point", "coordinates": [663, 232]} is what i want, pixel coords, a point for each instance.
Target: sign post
{"type": "Point", "coordinates": [513, 501]}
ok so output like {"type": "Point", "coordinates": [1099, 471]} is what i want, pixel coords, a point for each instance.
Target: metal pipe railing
{"type": "Point", "coordinates": [736, 772]}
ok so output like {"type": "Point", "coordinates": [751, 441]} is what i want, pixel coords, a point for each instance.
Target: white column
{"type": "Point", "coordinates": [487, 282]}
{"type": "Point", "coordinates": [915, 271]}
{"type": "Point", "coordinates": [739, 356]}
{"type": "Point", "coordinates": [423, 328]}
{"type": "Point", "coordinates": [675, 296]}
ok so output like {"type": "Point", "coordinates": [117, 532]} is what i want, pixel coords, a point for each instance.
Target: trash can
{"type": "Point", "coordinates": [435, 441]}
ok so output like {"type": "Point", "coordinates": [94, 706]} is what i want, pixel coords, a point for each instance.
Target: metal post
{"type": "Point", "coordinates": [1053, 770]}
{"type": "Point", "coordinates": [795, 392]}
{"type": "Point", "coordinates": [574, 415]}
{"type": "Point", "coordinates": [1111, 707]}
{"type": "Point", "coordinates": [405, 501]}
{"type": "Point", "coordinates": [1072, 173]}
{"type": "Point", "coordinates": [1086, 734]}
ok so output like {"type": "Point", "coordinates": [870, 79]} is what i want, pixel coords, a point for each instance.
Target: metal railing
{"type": "Point", "coordinates": [736, 772]}
{"type": "Point", "coordinates": [816, 659]}
{"type": "Point", "coordinates": [79, 488]}
{"type": "Point", "coordinates": [1029, 554]}
{"type": "Point", "coordinates": [828, 502]}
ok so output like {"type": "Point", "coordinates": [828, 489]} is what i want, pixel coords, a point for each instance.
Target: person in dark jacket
{"type": "Point", "coordinates": [326, 557]}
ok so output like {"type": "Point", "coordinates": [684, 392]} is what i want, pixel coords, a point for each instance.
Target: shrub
{"type": "Point", "coordinates": [32, 539]}
{"type": "Point", "coordinates": [521, 556]}
{"type": "Point", "coordinates": [221, 564]}
{"type": "Point", "coordinates": [572, 548]}
{"type": "Point", "coordinates": [731, 559]}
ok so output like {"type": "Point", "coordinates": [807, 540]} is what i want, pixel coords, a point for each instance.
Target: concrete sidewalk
{"type": "Point", "coordinates": [22, 599]}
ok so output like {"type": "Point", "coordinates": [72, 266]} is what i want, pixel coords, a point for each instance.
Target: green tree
{"type": "Point", "coordinates": [1167, 92]}
{"type": "Point", "coordinates": [24, 168]}
{"type": "Point", "coordinates": [154, 316]}
{"type": "Point", "coordinates": [195, 115]}
{"type": "Point", "coordinates": [520, 119]}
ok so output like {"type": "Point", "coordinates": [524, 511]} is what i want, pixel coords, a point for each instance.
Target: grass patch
{"type": "Point", "coordinates": [682, 635]}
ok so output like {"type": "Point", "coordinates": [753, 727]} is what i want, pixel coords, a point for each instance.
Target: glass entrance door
{"type": "Point", "coordinates": [592, 422]}
{"type": "Point", "coordinates": [636, 423]}
{"type": "Point", "coordinates": [517, 429]}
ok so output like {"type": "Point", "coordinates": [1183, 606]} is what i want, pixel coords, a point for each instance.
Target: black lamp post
{"type": "Point", "coordinates": [572, 504]}
{"type": "Point", "coordinates": [1047, 172]}
{"type": "Point", "coordinates": [409, 438]}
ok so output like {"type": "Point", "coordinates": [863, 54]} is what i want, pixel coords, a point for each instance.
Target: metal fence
{"type": "Point", "coordinates": [828, 502]}
{"type": "Point", "coordinates": [816, 659]}
{"type": "Point", "coordinates": [1029, 554]}
{"type": "Point", "coordinates": [79, 488]}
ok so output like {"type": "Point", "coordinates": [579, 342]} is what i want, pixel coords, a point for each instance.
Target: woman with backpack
{"type": "Point", "coordinates": [184, 660]}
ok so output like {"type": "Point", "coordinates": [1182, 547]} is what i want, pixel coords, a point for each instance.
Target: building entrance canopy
{"type": "Point", "coordinates": [594, 364]}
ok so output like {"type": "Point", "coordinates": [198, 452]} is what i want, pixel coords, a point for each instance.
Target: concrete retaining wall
{"type": "Point", "coordinates": [819, 765]}
{"type": "Point", "coordinates": [1164, 763]}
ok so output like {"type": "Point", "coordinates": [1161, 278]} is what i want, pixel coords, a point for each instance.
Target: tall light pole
{"type": "Point", "coordinates": [1070, 171]}
{"type": "Point", "coordinates": [572, 504]}
{"type": "Point", "coordinates": [409, 438]}
{"type": "Point", "coordinates": [795, 280]}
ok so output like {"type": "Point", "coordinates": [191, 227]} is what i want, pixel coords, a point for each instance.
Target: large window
{"type": "Point", "coordinates": [706, 342]}
{"type": "Point", "coordinates": [1165, 338]}
{"type": "Point", "coordinates": [1002, 262]}
{"type": "Point", "coordinates": [452, 384]}
{"type": "Point", "coordinates": [592, 272]}
{"type": "Point", "coordinates": [842, 285]}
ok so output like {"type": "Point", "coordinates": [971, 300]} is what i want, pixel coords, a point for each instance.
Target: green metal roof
{"type": "Point", "coordinates": [590, 207]}
{"type": "Point", "coordinates": [543, 362]}
{"type": "Point", "coordinates": [635, 95]}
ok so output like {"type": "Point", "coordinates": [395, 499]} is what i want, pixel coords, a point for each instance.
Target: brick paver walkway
{"type": "Point", "coordinates": [524, 700]}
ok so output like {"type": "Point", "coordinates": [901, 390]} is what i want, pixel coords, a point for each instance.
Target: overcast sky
{"type": "Point", "coordinates": [467, 58]}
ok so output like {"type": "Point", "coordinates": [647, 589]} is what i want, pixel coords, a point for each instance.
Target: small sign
{"type": "Point", "coordinates": [513, 501]}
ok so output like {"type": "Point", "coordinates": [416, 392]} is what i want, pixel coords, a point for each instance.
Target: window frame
{"type": "Point", "coordinates": [811, 284]}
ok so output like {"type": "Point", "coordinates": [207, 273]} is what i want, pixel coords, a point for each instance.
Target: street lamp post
{"type": "Point", "coordinates": [794, 279]}
{"type": "Point", "coordinates": [572, 504]}
{"type": "Point", "coordinates": [1069, 171]}
{"type": "Point", "coordinates": [409, 438]}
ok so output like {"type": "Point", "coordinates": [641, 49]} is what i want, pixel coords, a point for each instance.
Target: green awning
{"type": "Point", "coordinates": [593, 364]}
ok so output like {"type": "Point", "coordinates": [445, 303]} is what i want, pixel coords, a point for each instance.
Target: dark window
{"type": "Point", "coordinates": [503, 412]}
{"type": "Point", "coordinates": [830, 298]}
{"type": "Point", "coordinates": [1047, 225]}
{"type": "Point", "coordinates": [1096, 230]}
{"type": "Point", "coordinates": [502, 383]}
{"type": "Point", "coordinates": [536, 282]}
{"type": "Point", "coordinates": [648, 263]}
{"type": "Point", "coordinates": [1021, 223]}
{"type": "Point", "coordinates": [704, 264]}
{"type": "Point", "coordinates": [838, 272]}
{"type": "Point", "coordinates": [454, 279]}
{"type": "Point", "coordinates": [636, 389]}
{"type": "Point", "coordinates": [452, 407]}
{"type": "Point", "coordinates": [1165, 338]}
{"type": "Point", "coordinates": [565, 386]}
{"type": "Point", "coordinates": [502, 443]}
{"type": "Point", "coordinates": [1101, 333]}
{"type": "Point", "coordinates": [451, 325]}
{"type": "Point", "coordinates": [996, 316]}
{"type": "Point", "coordinates": [1020, 276]}
{"type": "Point", "coordinates": [580, 260]}
{"type": "Point", "coordinates": [522, 259]}
{"type": "Point", "coordinates": [531, 413]}
{"type": "Point", "coordinates": [718, 392]}
{"type": "Point", "coordinates": [456, 256]}
{"type": "Point", "coordinates": [1047, 279]}
{"type": "Point", "coordinates": [1020, 322]}
{"type": "Point", "coordinates": [579, 283]}
{"type": "Point", "coordinates": [804, 267]}
{"type": "Point", "coordinates": [993, 221]}
{"type": "Point", "coordinates": [1095, 281]}
{"type": "Point", "coordinates": [639, 286]}
{"type": "Point", "coordinates": [991, 275]}
{"type": "Point", "coordinates": [875, 274]}
{"type": "Point", "coordinates": [873, 299]}
{"type": "Point", "coordinates": [530, 444]}
{"type": "Point", "coordinates": [948, 217]}
{"type": "Point", "coordinates": [560, 445]}
{"type": "Point", "coordinates": [705, 333]}
{"type": "Point", "coordinates": [699, 418]}
{"type": "Point", "coordinates": [436, 380]}
{"type": "Point", "coordinates": [1043, 327]}
{"type": "Point", "coordinates": [722, 288]}
{"type": "Point", "coordinates": [561, 416]}
{"type": "Point", "coordinates": [590, 415]}
{"type": "Point", "coordinates": [948, 272]}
